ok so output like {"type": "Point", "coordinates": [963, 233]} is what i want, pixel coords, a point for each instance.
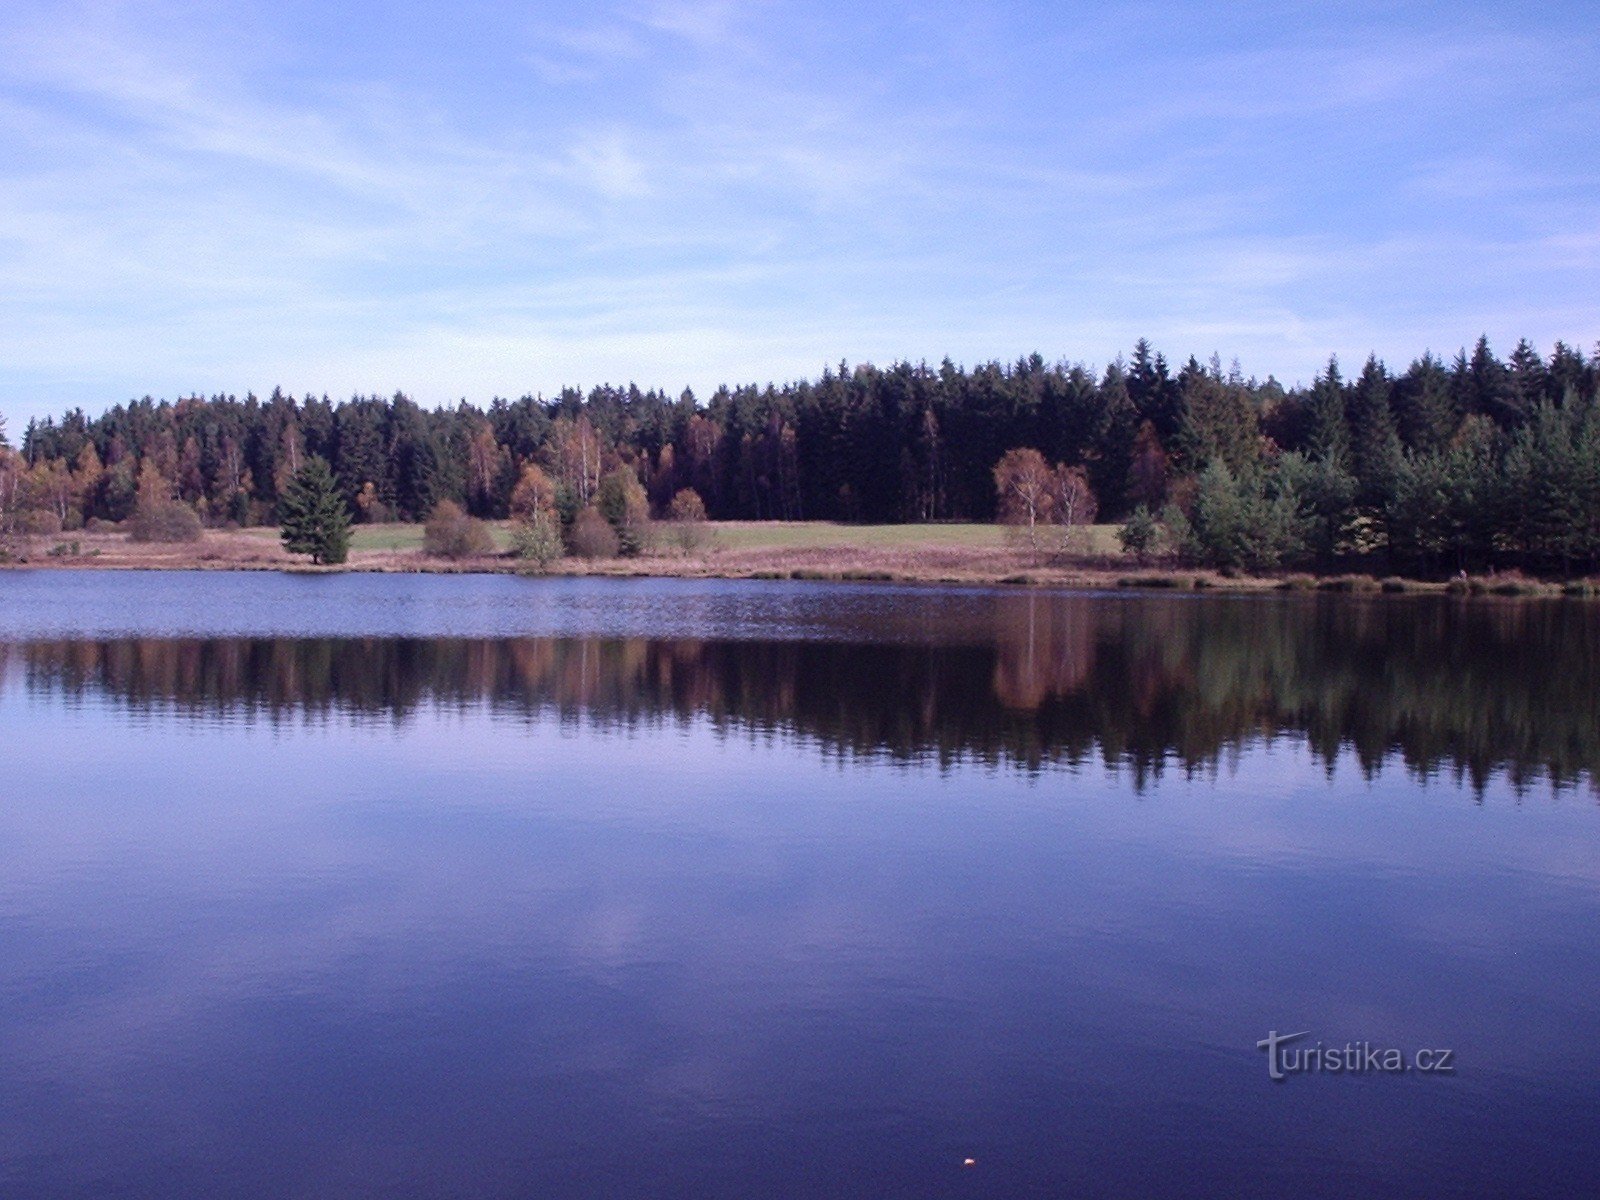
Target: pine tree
{"type": "Point", "coordinates": [313, 515]}
{"type": "Point", "coordinates": [1219, 421]}
{"type": "Point", "coordinates": [1112, 469]}
{"type": "Point", "coordinates": [1530, 379]}
{"type": "Point", "coordinates": [1375, 443]}
{"type": "Point", "coordinates": [1329, 436]}
{"type": "Point", "coordinates": [1485, 386]}
{"type": "Point", "coordinates": [1427, 413]}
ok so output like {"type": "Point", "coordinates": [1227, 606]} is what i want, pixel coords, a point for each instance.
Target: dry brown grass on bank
{"type": "Point", "coordinates": [951, 554]}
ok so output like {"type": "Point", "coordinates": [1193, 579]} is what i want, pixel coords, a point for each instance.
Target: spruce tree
{"type": "Point", "coordinates": [313, 515]}
{"type": "Point", "coordinates": [1329, 436]}
{"type": "Point", "coordinates": [1374, 440]}
{"type": "Point", "coordinates": [1427, 413]}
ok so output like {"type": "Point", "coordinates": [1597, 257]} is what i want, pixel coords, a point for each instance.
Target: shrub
{"type": "Point", "coordinates": [1349, 583]}
{"type": "Point", "coordinates": [1516, 586]}
{"type": "Point", "coordinates": [38, 522]}
{"type": "Point", "coordinates": [370, 508]}
{"type": "Point", "coordinates": [1140, 535]}
{"type": "Point", "coordinates": [687, 512]}
{"type": "Point", "coordinates": [1181, 582]}
{"type": "Point", "coordinates": [622, 502]}
{"type": "Point", "coordinates": [537, 539]}
{"type": "Point", "coordinates": [169, 521]}
{"type": "Point", "coordinates": [451, 533]}
{"type": "Point", "coordinates": [592, 535]}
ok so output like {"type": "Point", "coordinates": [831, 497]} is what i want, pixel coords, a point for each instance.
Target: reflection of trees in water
{"type": "Point", "coordinates": [1472, 687]}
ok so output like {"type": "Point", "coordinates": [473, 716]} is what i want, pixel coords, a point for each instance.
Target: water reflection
{"type": "Point", "coordinates": [622, 897]}
{"type": "Point", "coordinates": [1038, 680]}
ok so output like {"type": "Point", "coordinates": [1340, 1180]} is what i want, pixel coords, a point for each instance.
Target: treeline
{"type": "Point", "coordinates": [1436, 686]}
{"type": "Point", "coordinates": [1477, 462]}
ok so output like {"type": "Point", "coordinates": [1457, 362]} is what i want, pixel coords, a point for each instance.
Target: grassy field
{"type": "Point", "coordinates": [823, 535]}
{"type": "Point", "coordinates": [391, 538]}
{"type": "Point", "coordinates": [781, 535]}
{"type": "Point", "coordinates": [804, 550]}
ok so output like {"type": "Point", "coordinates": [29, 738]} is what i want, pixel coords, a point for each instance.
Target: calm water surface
{"type": "Point", "coordinates": [483, 887]}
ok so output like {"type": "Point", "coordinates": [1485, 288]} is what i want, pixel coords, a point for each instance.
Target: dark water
{"type": "Point", "coordinates": [460, 887]}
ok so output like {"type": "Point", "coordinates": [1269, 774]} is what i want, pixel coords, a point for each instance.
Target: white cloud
{"type": "Point", "coordinates": [684, 193]}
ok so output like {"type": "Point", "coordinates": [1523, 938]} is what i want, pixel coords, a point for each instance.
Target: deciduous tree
{"type": "Point", "coordinates": [1022, 482]}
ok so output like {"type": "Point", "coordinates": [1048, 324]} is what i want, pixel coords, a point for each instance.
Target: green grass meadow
{"type": "Point", "coordinates": [779, 535]}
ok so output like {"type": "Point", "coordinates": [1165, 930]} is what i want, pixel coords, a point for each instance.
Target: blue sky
{"type": "Point", "coordinates": [494, 198]}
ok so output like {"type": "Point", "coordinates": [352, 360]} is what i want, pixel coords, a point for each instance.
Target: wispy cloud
{"type": "Point", "coordinates": [214, 199]}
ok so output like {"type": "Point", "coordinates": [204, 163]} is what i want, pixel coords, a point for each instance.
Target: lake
{"type": "Point", "coordinates": [433, 886]}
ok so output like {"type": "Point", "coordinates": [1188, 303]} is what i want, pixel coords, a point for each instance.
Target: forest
{"type": "Point", "coordinates": [1166, 684]}
{"type": "Point", "coordinates": [1473, 463]}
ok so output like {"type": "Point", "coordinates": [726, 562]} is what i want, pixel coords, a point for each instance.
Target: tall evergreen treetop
{"type": "Point", "coordinates": [1329, 435]}
{"type": "Point", "coordinates": [313, 514]}
{"type": "Point", "coordinates": [1374, 439]}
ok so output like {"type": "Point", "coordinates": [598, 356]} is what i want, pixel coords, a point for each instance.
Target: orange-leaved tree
{"type": "Point", "coordinates": [1022, 484]}
{"type": "Point", "coordinates": [1072, 500]}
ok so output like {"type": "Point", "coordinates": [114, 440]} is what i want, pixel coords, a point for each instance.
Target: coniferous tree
{"type": "Point", "coordinates": [1251, 521]}
{"type": "Point", "coordinates": [899, 443]}
{"type": "Point", "coordinates": [1328, 438]}
{"type": "Point", "coordinates": [1427, 415]}
{"type": "Point", "coordinates": [1218, 420]}
{"type": "Point", "coordinates": [313, 514]}
{"type": "Point", "coordinates": [1485, 386]}
{"type": "Point", "coordinates": [1109, 445]}
{"type": "Point", "coordinates": [1529, 380]}
{"type": "Point", "coordinates": [1569, 376]}
{"type": "Point", "coordinates": [1375, 442]}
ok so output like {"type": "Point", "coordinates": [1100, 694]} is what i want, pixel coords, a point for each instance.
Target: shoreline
{"type": "Point", "coordinates": [950, 556]}
{"type": "Point", "coordinates": [976, 572]}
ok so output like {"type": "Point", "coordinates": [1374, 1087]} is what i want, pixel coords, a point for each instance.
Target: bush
{"type": "Point", "coordinates": [1517, 586]}
{"type": "Point", "coordinates": [1140, 535]}
{"type": "Point", "coordinates": [1349, 583]}
{"type": "Point", "coordinates": [622, 501]}
{"type": "Point", "coordinates": [1180, 582]}
{"type": "Point", "coordinates": [537, 539]}
{"type": "Point", "coordinates": [38, 522]}
{"type": "Point", "coordinates": [592, 535]}
{"type": "Point", "coordinates": [168, 521]}
{"type": "Point", "coordinates": [451, 533]}
{"type": "Point", "coordinates": [687, 512]}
